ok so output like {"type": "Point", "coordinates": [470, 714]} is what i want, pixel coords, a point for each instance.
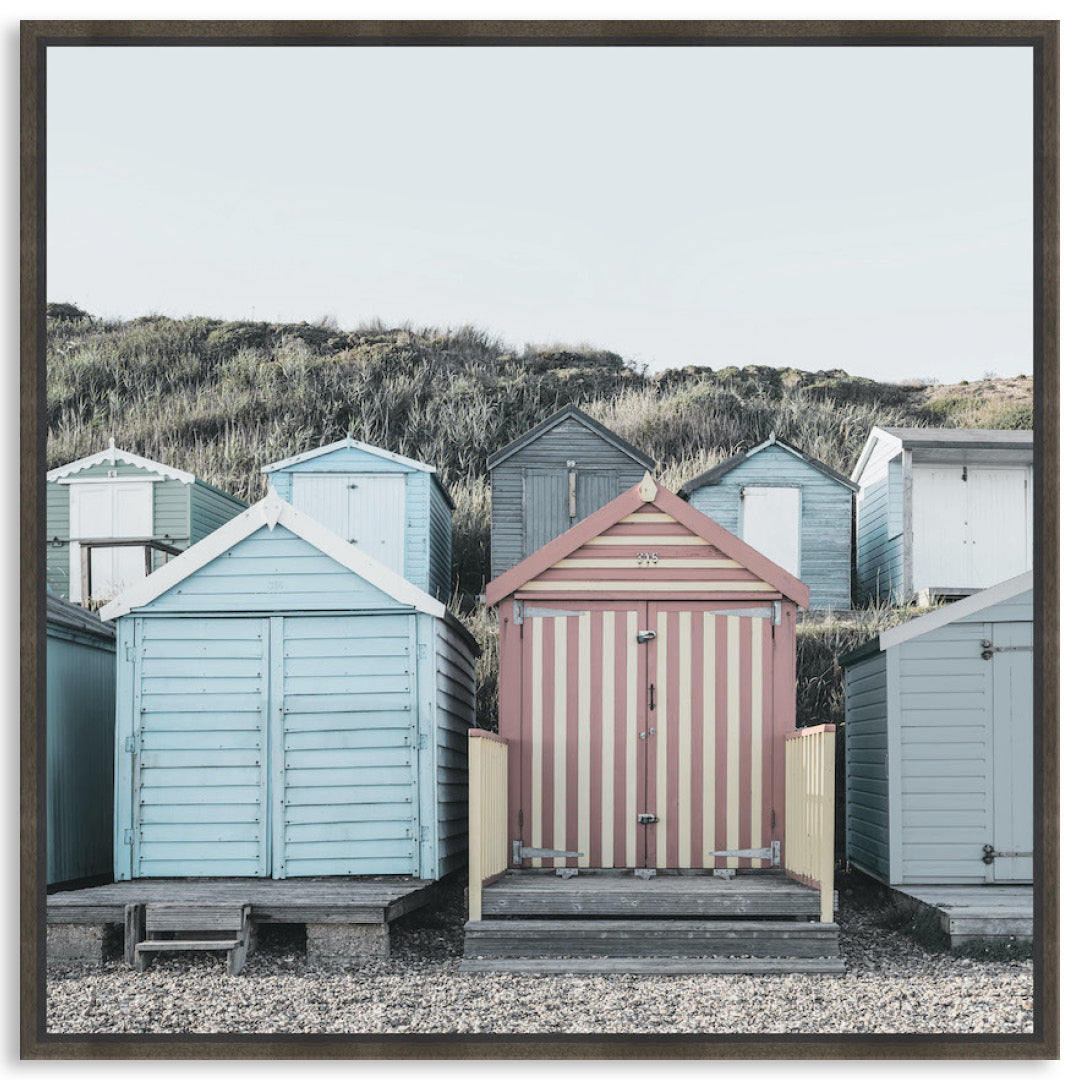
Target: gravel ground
{"type": "Point", "coordinates": [892, 985]}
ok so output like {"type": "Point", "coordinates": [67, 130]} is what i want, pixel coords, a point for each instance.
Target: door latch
{"type": "Point", "coordinates": [652, 696]}
{"type": "Point", "coordinates": [990, 854]}
{"type": "Point", "coordinates": [645, 635]}
{"type": "Point", "coordinates": [647, 819]}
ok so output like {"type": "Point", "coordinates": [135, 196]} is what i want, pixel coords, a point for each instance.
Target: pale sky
{"type": "Point", "coordinates": [867, 209]}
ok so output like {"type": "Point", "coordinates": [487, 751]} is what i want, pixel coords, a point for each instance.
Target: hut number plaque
{"type": "Point", "coordinates": [648, 558]}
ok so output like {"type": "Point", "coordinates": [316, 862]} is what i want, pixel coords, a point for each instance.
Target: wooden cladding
{"type": "Point", "coordinates": [676, 726]}
{"type": "Point", "coordinates": [488, 842]}
{"type": "Point", "coordinates": [811, 800]}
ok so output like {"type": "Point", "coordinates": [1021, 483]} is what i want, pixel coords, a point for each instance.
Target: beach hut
{"type": "Point", "coordinates": [113, 517]}
{"type": "Point", "coordinates": [80, 702]}
{"type": "Point", "coordinates": [939, 744]}
{"type": "Point", "coordinates": [553, 477]}
{"type": "Point", "coordinates": [646, 687]}
{"type": "Point", "coordinates": [287, 707]}
{"type": "Point", "coordinates": [941, 512]}
{"type": "Point", "coordinates": [388, 506]}
{"type": "Point", "coordinates": [789, 506]}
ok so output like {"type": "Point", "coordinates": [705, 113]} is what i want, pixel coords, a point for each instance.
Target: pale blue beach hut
{"type": "Point", "coordinates": [386, 505]}
{"type": "Point", "coordinates": [287, 706]}
{"type": "Point", "coordinates": [791, 507]}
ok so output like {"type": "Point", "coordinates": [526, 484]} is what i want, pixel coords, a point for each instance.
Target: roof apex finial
{"type": "Point", "coordinates": [647, 488]}
{"type": "Point", "coordinates": [772, 435]}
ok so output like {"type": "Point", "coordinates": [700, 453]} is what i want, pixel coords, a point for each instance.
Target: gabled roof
{"type": "Point", "coordinates": [648, 491]}
{"type": "Point", "coordinates": [60, 612]}
{"type": "Point", "coordinates": [270, 512]}
{"type": "Point", "coordinates": [943, 439]}
{"type": "Point", "coordinates": [943, 616]}
{"type": "Point", "coordinates": [112, 455]}
{"type": "Point", "coordinates": [710, 476]}
{"type": "Point", "coordinates": [567, 412]}
{"type": "Point", "coordinates": [347, 443]}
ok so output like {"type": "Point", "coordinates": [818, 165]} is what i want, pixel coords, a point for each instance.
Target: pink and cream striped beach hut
{"type": "Point", "coordinates": [646, 687]}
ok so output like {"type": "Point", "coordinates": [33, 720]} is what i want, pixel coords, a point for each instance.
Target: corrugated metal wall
{"type": "Point", "coordinates": [80, 697]}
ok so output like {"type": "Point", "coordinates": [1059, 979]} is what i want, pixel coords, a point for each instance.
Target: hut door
{"type": "Point", "coordinates": [1012, 791]}
{"type": "Point", "coordinates": [195, 763]}
{"type": "Point", "coordinates": [709, 762]}
{"type": "Point", "coordinates": [582, 780]}
{"type": "Point", "coordinates": [346, 745]}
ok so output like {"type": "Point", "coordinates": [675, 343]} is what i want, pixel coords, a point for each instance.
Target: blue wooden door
{"type": "Point", "coordinates": [346, 777]}
{"type": "Point", "coordinates": [199, 750]}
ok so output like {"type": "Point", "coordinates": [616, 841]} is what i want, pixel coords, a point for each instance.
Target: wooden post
{"type": "Point", "coordinates": [84, 556]}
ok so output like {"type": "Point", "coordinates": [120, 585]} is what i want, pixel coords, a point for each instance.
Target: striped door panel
{"type": "Point", "coordinates": [201, 756]}
{"type": "Point", "coordinates": [709, 777]}
{"type": "Point", "coordinates": [703, 767]}
{"type": "Point", "coordinates": [348, 760]}
{"type": "Point", "coordinates": [582, 763]}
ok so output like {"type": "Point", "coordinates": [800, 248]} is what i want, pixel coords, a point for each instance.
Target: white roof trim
{"type": "Point", "coordinates": [959, 609]}
{"type": "Point", "coordinates": [112, 456]}
{"type": "Point", "coordinates": [341, 444]}
{"type": "Point", "coordinates": [272, 511]}
{"type": "Point", "coordinates": [876, 435]}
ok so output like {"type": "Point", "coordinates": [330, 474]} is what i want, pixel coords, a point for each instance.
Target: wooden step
{"type": "Point", "coordinates": [526, 894]}
{"type": "Point", "coordinates": [184, 944]}
{"type": "Point", "coordinates": [172, 927]}
{"type": "Point", "coordinates": [657, 965]}
{"type": "Point", "coordinates": [636, 938]}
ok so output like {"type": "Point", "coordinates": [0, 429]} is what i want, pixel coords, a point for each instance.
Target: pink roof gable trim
{"type": "Point", "coordinates": [626, 503]}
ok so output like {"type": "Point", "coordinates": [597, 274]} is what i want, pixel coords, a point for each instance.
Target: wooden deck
{"type": "Point", "coordinates": [295, 900]}
{"type": "Point", "coordinates": [972, 914]}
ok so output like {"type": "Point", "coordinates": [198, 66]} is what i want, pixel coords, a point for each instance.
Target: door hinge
{"type": "Point", "coordinates": [129, 744]}
{"type": "Point", "coordinates": [521, 851]}
{"type": "Point", "coordinates": [772, 853]}
{"type": "Point", "coordinates": [129, 654]}
{"type": "Point", "coordinates": [128, 838]}
{"type": "Point", "coordinates": [519, 613]}
{"type": "Point", "coordinates": [425, 834]}
{"type": "Point", "coordinates": [423, 740]}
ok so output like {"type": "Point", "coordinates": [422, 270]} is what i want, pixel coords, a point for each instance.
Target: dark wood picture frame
{"type": "Point", "coordinates": [1042, 37]}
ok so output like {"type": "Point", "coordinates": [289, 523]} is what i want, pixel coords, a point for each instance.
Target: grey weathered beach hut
{"type": "Point", "coordinates": [939, 744]}
{"type": "Point", "coordinates": [552, 477]}
{"type": "Point", "coordinates": [942, 512]}
{"type": "Point", "coordinates": [80, 703]}
{"type": "Point", "coordinates": [288, 707]}
{"type": "Point", "coordinates": [388, 506]}
{"type": "Point", "coordinates": [789, 506]}
{"type": "Point", "coordinates": [113, 517]}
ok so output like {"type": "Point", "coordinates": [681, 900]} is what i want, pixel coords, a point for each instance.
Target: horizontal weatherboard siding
{"type": "Point", "coordinates": [825, 517]}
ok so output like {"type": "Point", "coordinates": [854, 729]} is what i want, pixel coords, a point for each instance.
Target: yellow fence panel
{"type": "Point", "coordinates": [488, 838]}
{"type": "Point", "coordinates": [810, 766]}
